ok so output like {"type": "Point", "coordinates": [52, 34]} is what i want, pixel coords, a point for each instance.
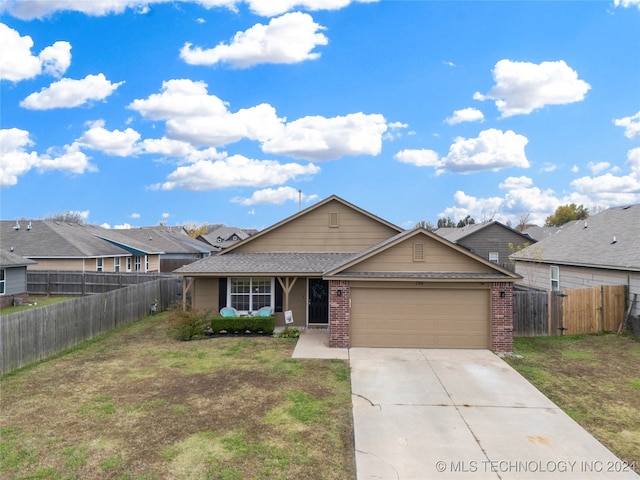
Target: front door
{"type": "Point", "coordinates": [318, 301]}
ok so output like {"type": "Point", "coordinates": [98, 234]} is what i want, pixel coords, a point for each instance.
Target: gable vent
{"type": "Point", "coordinates": [334, 219]}
{"type": "Point", "coordinates": [418, 252]}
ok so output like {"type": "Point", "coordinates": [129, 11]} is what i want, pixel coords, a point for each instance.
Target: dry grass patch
{"type": "Point", "coordinates": [594, 379]}
{"type": "Point", "coordinates": [137, 404]}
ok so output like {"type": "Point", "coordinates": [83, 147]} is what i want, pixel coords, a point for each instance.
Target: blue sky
{"type": "Point", "coordinates": [220, 111]}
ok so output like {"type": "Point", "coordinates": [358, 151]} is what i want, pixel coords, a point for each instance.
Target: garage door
{"type": "Point", "coordinates": [428, 318]}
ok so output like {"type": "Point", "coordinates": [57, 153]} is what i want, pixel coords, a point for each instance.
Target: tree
{"type": "Point", "coordinates": [566, 213]}
{"type": "Point", "coordinates": [466, 221]}
{"type": "Point", "coordinates": [194, 230]}
{"type": "Point", "coordinates": [66, 217]}
{"type": "Point", "coordinates": [426, 224]}
{"type": "Point", "coordinates": [446, 223]}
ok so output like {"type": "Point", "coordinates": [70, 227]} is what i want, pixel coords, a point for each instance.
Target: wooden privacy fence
{"type": "Point", "coordinates": [570, 312]}
{"type": "Point", "coordinates": [37, 333]}
{"type": "Point", "coordinates": [56, 282]}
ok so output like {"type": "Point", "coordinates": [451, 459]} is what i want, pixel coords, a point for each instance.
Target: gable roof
{"type": "Point", "coordinates": [496, 273]}
{"type": "Point", "coordinates": [45, 239]}
{"type": "Point", "coordinates": [152, 240]}
{"type": "Point", "coordinates": [332, 198]}
{"type": "Point", "coordinates": [609, 239]}
{"type": "Point", "coordinates": [457, 234]}
{"type": "Point", "coordinates": [222, 237]}
{"type": "Point", "coordinates": [9, 259]}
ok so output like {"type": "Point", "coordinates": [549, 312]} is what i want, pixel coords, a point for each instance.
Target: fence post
{"type": "Point", "coordinates": [601, 308]}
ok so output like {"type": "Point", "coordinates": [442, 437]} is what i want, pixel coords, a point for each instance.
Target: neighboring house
{"type": "Point", "coordinates": [223, 237]}
{"type": "Point", "coordinates": [13, 278]}
{"type": "Point", "coordinates": [602, 250]}
{"type": "Point", "coordinates": [371, 283]}
{"type": "Point", "coordinates": [173, 247]}
{"type": "Point", "coordinates": [490, 240]}
{"type": "Point", "coordinates": [539, 233]}
{"type": "Point", "coordinates": [62, 246]}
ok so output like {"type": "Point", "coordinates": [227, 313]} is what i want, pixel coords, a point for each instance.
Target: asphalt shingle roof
{"type": "Point", "coordinates": [610, 239]}
{"type": "Point", "coordinates": [289, 263]}
{"type": "Point", "coordinates": [9, 259]}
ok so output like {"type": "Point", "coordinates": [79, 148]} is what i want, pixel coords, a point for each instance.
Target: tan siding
{"type": "Point", "coordinates": [154, 263]}
{"type": "Point", "coordinates": [205, 294]}
{"type": "Point", "coordinates": [438, 258]}
{"type": "Point", "coordinates": [297, 304]}
{"type": "Point", "coordinates": [62, 264]}
{"type": "Point", "coordinates": [420, 318]}
{"type": "Point", "coordinates": [312, 233]}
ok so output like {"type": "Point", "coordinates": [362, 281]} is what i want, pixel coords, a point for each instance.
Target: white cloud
{"type": "Point", "coordinates": [598, 167]}
{"type": "Point", "coordinates": [491, 150]}
{"type": "Point", "coordinates": [68, 93]}
{"type": "Point", "coordinates": [575, 169]}
{"type": "Point", "coordinates": [631, 124]}
{"type": "Point", "coordinates": [419, 158]}
{"type": "Point", "coordinates": [609, 189]}
{"type": "Point", "coordinates": [288, 39]}
{"type": "Point", "coordinates": [270, 8]}
{"type": "Point", "coordinates": [319, 138]}
{"type": "Point", "coordinates": [627, 3]}
{"type": "Point", "coordinates": [234, 171]}
{"type": "Point", "coordinates": [30, 9]}
{"type": "Point", "coordinates": [115, 142]}
{"type": "Point", "coordinates": [17, 63]}
{"type": "Point", "coordinates": [274, 196]}
{"type": "Point", "coordinates": [135, 215]}
{"type": "Point", "coordinates": [633, 160]}
{"type": "Point", "coordinates": [465, 115]}
{"type": "Point", "coordinates": [522, 87]}
{"type": "Point", "coordinates": [16, 159]}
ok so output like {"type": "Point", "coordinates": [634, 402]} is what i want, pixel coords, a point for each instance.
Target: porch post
{"type": "Point", "coordinates": [339, 313]}
{"type": "Point", "coordinates": [502, 317]}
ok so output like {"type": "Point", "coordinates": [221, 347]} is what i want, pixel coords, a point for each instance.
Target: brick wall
{"type": "Point", "coordinates": [339, 313]}
{"type": "Point", "coordinates": [502, 317]}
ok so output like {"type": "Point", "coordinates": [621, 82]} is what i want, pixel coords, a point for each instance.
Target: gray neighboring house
{"type": "Point", "coordinates": [602, 250]}
{"type": "Point", "coordinates": [174, 247]}
{"type": "Point", "coordinates": [492, 241]}
{"type": "Point", "coordinates": [62, 246]}
{"type": "Point", "coordinates": [13, 278]}
{"type": "Point", "coordinates": [223, 237]}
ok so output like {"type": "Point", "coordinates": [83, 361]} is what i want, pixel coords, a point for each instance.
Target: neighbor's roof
{"type": "Point", "coordinates": [154, 240]}
{"type": "Point", "coordinates": [45, 239]}
{"type": "Point", "coordinates": [9, 259]}
{"type": "Point", "coordinates": [610, 239]}
{"type": "Point", "coordinates": [454, 234]}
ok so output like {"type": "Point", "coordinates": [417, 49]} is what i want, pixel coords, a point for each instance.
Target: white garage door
{"type": "Point", "coordinates": [427, 318]}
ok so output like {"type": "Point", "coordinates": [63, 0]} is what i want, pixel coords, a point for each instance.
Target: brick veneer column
{"type": "Point", "coordinates": [339, 313]}
{"type": "Point", "coordinates": [502, 317]}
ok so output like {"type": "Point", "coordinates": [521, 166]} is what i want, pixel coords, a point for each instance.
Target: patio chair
{"type": "Point", "coordinates": [264, 312]}
{"type": "Point", "coordinates": [229, 312]}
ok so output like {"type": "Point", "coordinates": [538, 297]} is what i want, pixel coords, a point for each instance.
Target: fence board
{"type": "Point", "coordinates": [530, 313]}
{"type": "Point", "coordinates": [35, 334]}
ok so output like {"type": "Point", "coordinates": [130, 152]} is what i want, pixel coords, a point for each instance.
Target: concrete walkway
{"type": "Point", "coordinates": [458, 414]}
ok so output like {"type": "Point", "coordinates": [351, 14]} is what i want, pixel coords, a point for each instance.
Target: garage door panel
{"type": "Point", "coordinates": [428, 318]}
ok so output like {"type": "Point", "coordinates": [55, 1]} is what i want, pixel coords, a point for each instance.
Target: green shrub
{"type": "Point", "coordinates": [188, 324]}
{"type": "Point", "coordinates": [289, 332]}
{"type": "Point", "coordinates": [243, 324]}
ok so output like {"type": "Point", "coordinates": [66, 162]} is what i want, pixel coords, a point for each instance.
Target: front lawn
{"type": "Point", "coordinates": [137, 404]}
{"type": "Point", "coordinates": [593, 378]}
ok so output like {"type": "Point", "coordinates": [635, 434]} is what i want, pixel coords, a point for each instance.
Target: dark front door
{"type": "Point", "coordinates": [318, 301]}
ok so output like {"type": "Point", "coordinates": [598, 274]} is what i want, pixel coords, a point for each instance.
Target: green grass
{"type": "Point", "coordinates": [594, 379]}
{"type": "Point", "coordinates": [34, 302]}
{"type": "Point", "coordinates": [136, 404]}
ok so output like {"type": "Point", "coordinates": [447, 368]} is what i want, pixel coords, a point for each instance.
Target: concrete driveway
{"type": "Point", "coordinates": [464, 414]}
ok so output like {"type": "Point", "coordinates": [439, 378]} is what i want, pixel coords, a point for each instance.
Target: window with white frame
{"type": "Point", "coordinates": [116, 264]}
{"type": "Point", "coordinates": [555, 278]}
{"type": "Point", "coordinates": [3, 276]}
{"type": "Point", "coordinates": [250, 294]}
{"type": "Point", "coordinates": [99, 264]}
{"type": "Point", "coordinates": [146, 263]}
{"type": "Point", "coordinates": [128, 264]}
{"type": "Point", "coordinates": [137, 263]}
{"type": "Point", "coordinates": [494, 257]}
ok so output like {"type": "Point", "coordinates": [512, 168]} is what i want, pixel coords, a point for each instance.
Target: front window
{"type": "Point", "coordinates": [555, 278]}
{"type": "Point", "coordinates": [2, 281]}
{"type": "Point", "coordinates": [250, 294]}
{"type": "Point", "coordinates": [99, 264]}
{"type": "Point", "coordinates": [116, 264]}
{"type": "Point", "coordinates": [137, 264]}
